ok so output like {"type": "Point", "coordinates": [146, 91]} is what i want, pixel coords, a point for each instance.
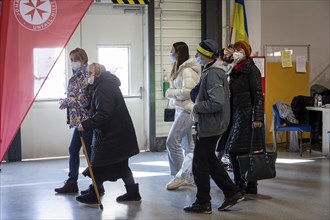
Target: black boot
{"type": "Point", "coordinates": [252, 188]}
{"type": "Point", "coordinates": [91, 187]}
{"type": "Point", "coordinates": [132, 193]}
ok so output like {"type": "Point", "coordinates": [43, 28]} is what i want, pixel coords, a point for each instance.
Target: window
{"type": "Point", "coordinates": [54, 86]}
{"type": "Point", "coordinates": [116, 60]}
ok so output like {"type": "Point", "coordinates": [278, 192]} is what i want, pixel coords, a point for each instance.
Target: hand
{"type": "Point", "coordinates": [62, 104]}
{"type": "Point", "coordinates": [80, 128]}
{"type": "Point", "coordinates": [194, 116]}
{"type": "Point", "coordinates": [257, 124]}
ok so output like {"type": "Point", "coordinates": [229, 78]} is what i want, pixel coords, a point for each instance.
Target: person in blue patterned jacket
{"type": "Point", "coordinates": [77, 104]}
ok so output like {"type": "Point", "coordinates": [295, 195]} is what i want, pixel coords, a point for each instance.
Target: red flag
{"type": "Point", "coordinates": [32, 35]}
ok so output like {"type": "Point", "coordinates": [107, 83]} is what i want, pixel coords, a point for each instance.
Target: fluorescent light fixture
{"type": "Point", "coordinates": [293, 161]}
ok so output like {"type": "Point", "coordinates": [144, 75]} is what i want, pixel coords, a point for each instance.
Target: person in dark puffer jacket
{"type": "Point", "coordinates": [247, 111]}
{"type": "Point", "coordinates": [114, 137]}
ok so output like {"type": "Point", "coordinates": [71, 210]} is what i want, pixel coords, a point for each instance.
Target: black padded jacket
{"type": "Point", "coordinates": [247, 105]}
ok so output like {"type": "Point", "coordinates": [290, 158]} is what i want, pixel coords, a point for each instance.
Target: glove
{"type": "Point", "coordinates": [86, 173]}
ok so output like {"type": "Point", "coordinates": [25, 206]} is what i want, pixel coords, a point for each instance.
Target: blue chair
{"type": "Point", "coordinates": [280, 125]}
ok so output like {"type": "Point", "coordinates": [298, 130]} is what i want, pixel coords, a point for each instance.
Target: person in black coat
{"type": "Point", "coordinates": [114, 137]}
{"type": "Point", "coordinates": [247, 111]}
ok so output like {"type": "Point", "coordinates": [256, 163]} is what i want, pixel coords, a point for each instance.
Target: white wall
{"type": "Point", "coordinates": [305, 22]}
{"type": "Point", "coordinates": [253, 16]}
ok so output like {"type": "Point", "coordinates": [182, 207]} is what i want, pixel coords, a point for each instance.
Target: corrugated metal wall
{"type": "Point", "coordinates": [175, 20]}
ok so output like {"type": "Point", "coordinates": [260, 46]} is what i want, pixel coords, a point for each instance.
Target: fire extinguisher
{"type": "Point", "coordinates": [166, 85]}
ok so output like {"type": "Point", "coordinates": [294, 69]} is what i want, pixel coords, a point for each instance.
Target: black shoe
{"type": "Point", "coordinates": [89, 198]}
{"type": "Point", "coordinates": [251, 191]}
{"type": "Point", "coordinates": [229, 202]}
{"type": "Point", "coordinates": [199, 208]}
{"type": "Point", "coordinates": [241, 186]}
{"type": "Point", "coordinates": [101, 190]}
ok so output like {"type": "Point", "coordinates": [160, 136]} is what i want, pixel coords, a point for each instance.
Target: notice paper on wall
{"type": "Point", "coordinates": [260, 63]}
{"type": "Point", "coordinates": [286, 59]}
{"type": "Point", "coordinates": [301, 64]}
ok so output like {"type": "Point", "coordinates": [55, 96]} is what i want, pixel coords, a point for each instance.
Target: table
{"type": "Point", "coordinates": [325, 126]}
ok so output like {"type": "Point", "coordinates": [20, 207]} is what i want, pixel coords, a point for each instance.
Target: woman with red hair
{"type": "Point", "coordinates": [247, 111]}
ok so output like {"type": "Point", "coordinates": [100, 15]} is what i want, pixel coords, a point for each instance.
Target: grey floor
{"type": "Point", "coordinates": [300, 191]}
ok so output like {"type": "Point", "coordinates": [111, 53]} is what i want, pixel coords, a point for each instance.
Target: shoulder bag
{"type": "Point", "coordinates": [257, 166]}
{"type": "Point", "coordinates": [169, 113]}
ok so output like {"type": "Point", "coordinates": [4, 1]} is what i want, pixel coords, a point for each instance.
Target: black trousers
{"type": "Point", "coordinates": [206, 164]}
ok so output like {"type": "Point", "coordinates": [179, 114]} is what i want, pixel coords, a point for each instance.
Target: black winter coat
{"type": "Point", "coordinates": [247, 105]}
{"type": "Point", "coordinates": [114, 138]}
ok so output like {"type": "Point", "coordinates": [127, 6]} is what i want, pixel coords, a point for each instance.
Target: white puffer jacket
{"type": "Point", "coordinates": [179, 91]}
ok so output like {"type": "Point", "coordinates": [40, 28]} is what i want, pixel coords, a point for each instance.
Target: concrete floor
{"type": "Point", "coordinates": [300, 191]}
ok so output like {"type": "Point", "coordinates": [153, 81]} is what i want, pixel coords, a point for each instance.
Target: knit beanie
{"type": "Point", "coordinates": [208, 48]}
{"type": "Point", "coordinates": [245, 46]}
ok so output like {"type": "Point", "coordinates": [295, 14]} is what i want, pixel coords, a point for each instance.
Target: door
{"type": "Point", "coordinates": [44, 131]}
{"type": "Point", "coordinates": [114, 38]}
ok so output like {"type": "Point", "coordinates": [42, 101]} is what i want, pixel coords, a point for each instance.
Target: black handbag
{"type": "Point", "coordinates": [257, 166]}
{"type": "Point", "coordinates": [169, 113]}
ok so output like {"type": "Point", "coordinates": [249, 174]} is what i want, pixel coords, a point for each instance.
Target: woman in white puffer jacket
{"type": "Point", "coordinates": [184, 76]}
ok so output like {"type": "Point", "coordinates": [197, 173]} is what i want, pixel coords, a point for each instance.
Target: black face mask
{"type": "Point", "coordinates": [228, 59]}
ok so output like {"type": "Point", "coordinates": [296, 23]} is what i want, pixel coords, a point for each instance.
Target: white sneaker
{"type": "Point", "coordinates": [175, 184]}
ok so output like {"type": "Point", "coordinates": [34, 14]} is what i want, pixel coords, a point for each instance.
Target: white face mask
{"type": "Point", "coordinates": [200, 61]}
{"type": "Point", "coordinates": [90, 80]}
{"type": "Point", "coordinates": [238, 56]}
{"type": "Point", "coordinates": [75, 65]}
{"type": "Point", "coordinates": [172, 57]}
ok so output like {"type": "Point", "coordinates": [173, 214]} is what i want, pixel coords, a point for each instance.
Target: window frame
{"type": "Point", "coordinates": [129, 65]}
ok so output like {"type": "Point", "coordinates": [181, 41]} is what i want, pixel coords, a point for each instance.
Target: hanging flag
{"type": "Point", "coordinates": [239, 28]}
{"type": "Point", "coordinates": [33, 34]}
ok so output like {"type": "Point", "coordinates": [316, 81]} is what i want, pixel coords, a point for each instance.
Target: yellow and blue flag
{"type": "Point", "coordinates": [239, 28]}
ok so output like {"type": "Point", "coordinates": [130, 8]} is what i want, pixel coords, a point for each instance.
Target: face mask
{"type": "Point", "coordinates": [238, 56]}
{"type": "Point", "coordinates": [172, 57]}
{"type": "Point", "coordinates": [90, 80]}
{"type": "Point", "coordinates": [200, 61]}
{"type": "Point", "coordinates": [228, 59]}
{"type": "Point", "coordinates": [75, 65]}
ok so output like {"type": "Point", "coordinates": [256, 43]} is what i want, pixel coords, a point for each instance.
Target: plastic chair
{"type": "Point", "coordinates": [280, 125]}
